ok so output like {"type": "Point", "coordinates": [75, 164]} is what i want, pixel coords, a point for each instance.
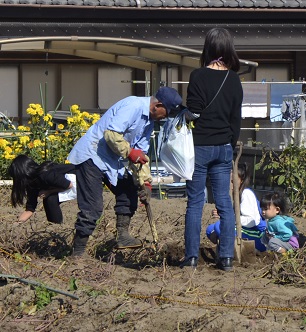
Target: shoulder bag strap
{"type": "Point", "coordinates": [217, 91]}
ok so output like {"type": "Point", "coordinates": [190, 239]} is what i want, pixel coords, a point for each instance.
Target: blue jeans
{"type": "Point", "coordinates": [216, 163]}
{"type": "Point", "coordinates": [246, 233]}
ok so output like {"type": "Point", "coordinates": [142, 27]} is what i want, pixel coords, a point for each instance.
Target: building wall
{"type": "Point", "coordinates": [114, 83]}
{"type": "Point", "coordinates": [273, 72]}
{"type": "Point", "coordinates": [9, 90]}
{"type": "Point", "coordinates": [78, 86]}
{"type": "Point", "coordinates": [38, 82]}
{"type": "Point", "coordinates": [300, 65]}
{"type": "Point", "coordinates": [94, 86]}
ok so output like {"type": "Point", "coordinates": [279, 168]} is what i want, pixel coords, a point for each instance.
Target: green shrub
{"type": "Point", "coordinates": [288, 171]}
{"type": "Point", "coordinates": [39, 142]}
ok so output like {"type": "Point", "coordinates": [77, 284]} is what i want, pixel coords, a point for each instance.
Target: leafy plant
{"type": "Point", "coordinates": [43, 296]}
{"type": "Point", "coordinates": [95, 293]}
{"type": "Point", "coordinates": [38, 141]}
{"type": "Point", "coordinates": [72, 284]}
{"type": "Point", "coordinates": [120, 317]}
{"type": "Point", "coordinates": [288, 170]}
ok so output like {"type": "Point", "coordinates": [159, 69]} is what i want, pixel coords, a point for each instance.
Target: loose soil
{"type": "Point", "coordinates": [139, 290]}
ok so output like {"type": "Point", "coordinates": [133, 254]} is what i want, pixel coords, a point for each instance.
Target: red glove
{"type": "Point", "coordinates": [145, 193]}
{"type": "Point", "coordinates": [137, 157]}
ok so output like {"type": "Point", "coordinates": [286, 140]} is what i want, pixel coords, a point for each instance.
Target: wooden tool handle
{"type": "Point", "coordinates": [236, 191]}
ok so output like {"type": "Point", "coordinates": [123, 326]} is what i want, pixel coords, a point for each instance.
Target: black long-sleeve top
{"type": "Point", "coordinates": [50, 179]}
{"type": "Point", "coordinates": [220, 123]}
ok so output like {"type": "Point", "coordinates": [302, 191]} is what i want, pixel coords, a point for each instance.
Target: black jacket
{"type": "Point", "coordinates": [220, 123]}
{"type": "Point", "coordinates": [52, 178]}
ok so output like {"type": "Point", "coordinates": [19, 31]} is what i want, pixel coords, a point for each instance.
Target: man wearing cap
{"type": "Point", "coordinates": [121, 135]}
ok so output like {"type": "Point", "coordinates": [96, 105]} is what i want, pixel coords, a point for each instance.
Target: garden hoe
{"type": "Point", "coordinates": [147, 205]}
{"type": "Point", "coordinates": [244, 249]}
{"type": "Point", "coordinates": [151, 222]}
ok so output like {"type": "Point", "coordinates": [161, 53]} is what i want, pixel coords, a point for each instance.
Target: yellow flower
{"type": "Point", "coordinates": [9, 156]}
{"type": "Point", "coordinates": [95, 117]}
{"type": "Point", "coordinates": [8, 149]}
{"type": "Point", "coordinates": [31, 111]}
{"type": "Point", "coordinates": [74, 109]}
{"type": "Point", "coordinates": [85, 115]}
{"type": "Point", "coordinates": [35, 120]}
{"type": "Point", "coordinates": [52, 138]}
{"type": "Point", "coordinates": [3, 143]}
{"type": "Point", "coordinates": [34, 136]}
{"type": "Point", "coordinates": [18, 150]}
{"type": "Point", "coordinates": [24, 139]}
{"type": "Point", "coordinates": [35, 106]}
{"type": "Point", "coordinates": [84, 124]}
{"type": "Point", "coordinates": [36, 143]}
{"type": "Point", "coordinates": [47, 117]}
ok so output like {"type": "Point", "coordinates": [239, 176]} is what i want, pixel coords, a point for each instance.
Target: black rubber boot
{"type": "Point", "coordinates": [124, 239]}
{"type": "Point", "coordinates": [79, 245]}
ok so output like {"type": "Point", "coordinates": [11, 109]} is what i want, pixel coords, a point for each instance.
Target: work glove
{"type": "Point", "coordinates": [140, 173]}
{"type": "Point", "coordinates": [137, 157]}
{"type": "Point", "coordinates": [145, 192]}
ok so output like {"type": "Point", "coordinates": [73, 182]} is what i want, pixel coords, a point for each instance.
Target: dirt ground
{"type": "Point", "coordinates": [139, 290]}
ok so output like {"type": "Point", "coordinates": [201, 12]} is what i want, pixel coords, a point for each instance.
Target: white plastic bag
{"type": "Point", "coordinates": [175, 146]}
{"type": "Point", "coordinates": [71, 193]}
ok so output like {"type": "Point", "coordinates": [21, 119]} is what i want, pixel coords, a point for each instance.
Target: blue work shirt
{"type": "Point", "coordinates": [130, 117]}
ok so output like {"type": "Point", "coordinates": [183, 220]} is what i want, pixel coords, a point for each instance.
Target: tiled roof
{"type": "Point", "coordinates": [286, 4]}
{"type": "Point", "coordinates": [255, 24]}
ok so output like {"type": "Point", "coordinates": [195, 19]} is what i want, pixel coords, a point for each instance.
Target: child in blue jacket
{"type": "Point", "coordinates": [281, 234]}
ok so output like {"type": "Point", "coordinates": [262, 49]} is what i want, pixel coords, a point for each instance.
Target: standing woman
{"type": "Point", "coordinates": [31, 180]}
{"type": "Point", "coordinates": [214, 97]}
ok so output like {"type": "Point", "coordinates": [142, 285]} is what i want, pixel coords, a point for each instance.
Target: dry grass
{"type": "Point", "coordinates": [141, 289]}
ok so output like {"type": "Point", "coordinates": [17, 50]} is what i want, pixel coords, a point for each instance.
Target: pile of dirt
{"type": "Point", "coordinates": [44, 289]}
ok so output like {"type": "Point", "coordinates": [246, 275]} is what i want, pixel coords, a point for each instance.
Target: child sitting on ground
{"type": "Point", "coordinates": [281, 234]}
